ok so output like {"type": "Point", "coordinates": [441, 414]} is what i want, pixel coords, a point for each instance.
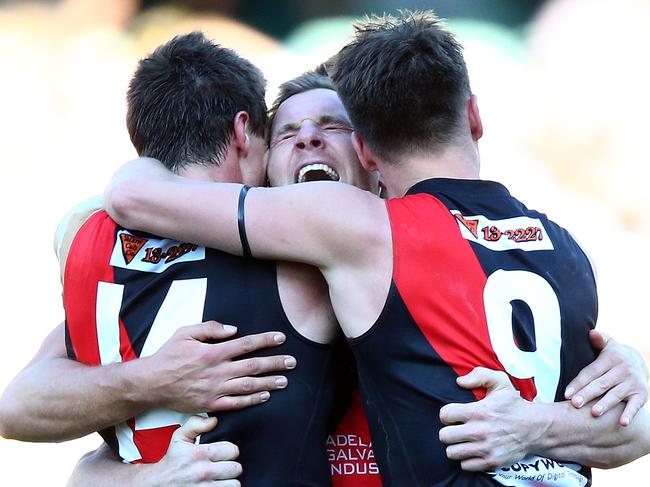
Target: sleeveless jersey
{"type": "Point", "coordinates": [478, 280]}
{"type": "Point", "coordinates": [126, 293]}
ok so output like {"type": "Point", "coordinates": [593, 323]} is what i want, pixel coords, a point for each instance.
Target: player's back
{"type": "Point", "coordinates": [126, 293]}
{"type": "Point", "coordinates": [478, 280]}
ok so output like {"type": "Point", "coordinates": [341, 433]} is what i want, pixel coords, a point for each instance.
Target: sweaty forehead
{"type": "Point", "coordinates": [312, 104]}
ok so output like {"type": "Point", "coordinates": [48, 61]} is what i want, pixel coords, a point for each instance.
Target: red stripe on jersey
{"type": "Point", "coordinates": [153, 443]}
{"type": "Point", "coordinates": [441, 283]}
{"type": "Point", "coordinates": [87, 264]}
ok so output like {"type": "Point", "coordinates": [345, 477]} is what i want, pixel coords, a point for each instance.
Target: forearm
{"type": "Point", "coordinates": [574, 434]}
{"type": "Point", "coordinates": [287, 223]}
{"type": "Point", "coordinates": [101, 468]}
{"type": "Point", "coordinates": [143, 195]}
{"type": "Point", "coordinates": [58, 399]}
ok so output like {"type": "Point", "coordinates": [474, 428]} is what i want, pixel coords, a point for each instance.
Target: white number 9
{"type": "Point", "coordinates": [543, 364]}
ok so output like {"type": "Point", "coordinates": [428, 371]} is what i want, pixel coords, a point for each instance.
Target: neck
{"type": "Point", "coordinates": [454, 162]}
{"type": "Point", "coordinates": [226, 172]}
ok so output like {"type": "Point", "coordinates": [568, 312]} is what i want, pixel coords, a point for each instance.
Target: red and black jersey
{"type": "Point", "coordinates": [127, 292]}
{"type": "Point", "coordinates": [478, 280]}
{"type": "Point", "coordinates": [349, 448]}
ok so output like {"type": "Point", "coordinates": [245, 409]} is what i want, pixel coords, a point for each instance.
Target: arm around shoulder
{"type": "Point", "coordinates": [131, 188]}
{"type": "Point", "coordinates": [144, 195]}
{"type": "Point", "coordinates": [316, 223]}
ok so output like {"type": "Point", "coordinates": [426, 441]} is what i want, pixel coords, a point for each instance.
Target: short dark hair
{"type": "Point", "coordinates": [403, 82]}
{"type": "Point", "coordinates": [183, 99]}
{"type": "Point", "coordinates": [311, 80]}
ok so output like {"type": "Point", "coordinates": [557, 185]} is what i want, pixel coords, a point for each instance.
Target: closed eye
{"type": "Point", "coordinates": [287, 135]}
{"type": "Point", "coordinates": [337, 126]}
{"type": "Point", "coordinates": [283, 137]}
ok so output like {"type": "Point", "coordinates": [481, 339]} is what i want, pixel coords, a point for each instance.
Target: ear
{"type": "Point", "coordinates": [365, 155]}
{"type": "Point", "coordinates": [475, 124]}
{"type": "Point", "coordinates": [240, 133]}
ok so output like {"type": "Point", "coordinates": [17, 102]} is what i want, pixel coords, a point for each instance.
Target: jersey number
{"type": "Point", "coordinates": [183, 304]}
{"type": "Point", "coordinates": [543, 364]}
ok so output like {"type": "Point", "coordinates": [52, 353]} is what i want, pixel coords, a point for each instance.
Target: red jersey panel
{"type": "Point", "coordinates": [349, 449]}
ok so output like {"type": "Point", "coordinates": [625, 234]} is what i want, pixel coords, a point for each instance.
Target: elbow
{"type": "Point", "coordinates": [8, 420]}
{"type": "Point", "coordinates": [120, 202]}
{"type": "Point", "coordinates": [604, 463]}
{"type": "Point", "coordinates": [15, 422]}
{"type": "Point", "coordinates": [611, 462]}
{"type": "Point", "coordinates": [5, 430]}
{"type": "Point", "coordinates": [612, 458]}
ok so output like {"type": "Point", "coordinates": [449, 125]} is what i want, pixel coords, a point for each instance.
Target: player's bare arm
{"type": "Point", "coordinates": [341, 229]}
{"type": "Point", "coordinates": [57, 399]}
{"type": "Point", "coordinates": [503, 429]}
{"type": "Point", "coordinates": [184, 464]}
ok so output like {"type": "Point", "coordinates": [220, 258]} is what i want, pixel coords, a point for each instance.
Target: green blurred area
{"type": "Point", "coordinates": [280, 17]}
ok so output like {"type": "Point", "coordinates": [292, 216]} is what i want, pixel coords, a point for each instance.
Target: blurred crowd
{"type": "Point", "coordinates": [562, 87]}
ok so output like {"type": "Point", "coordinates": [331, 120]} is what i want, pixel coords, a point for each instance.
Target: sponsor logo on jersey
{"type": "Point", "coordinates": [522, 232]}
{"type": "Point", "coordinates": [535, 471]}
{"type": "Point", "coordinates": [151, 254]}
{"type": "Point", "coordinates": [349, 454]}
{"type": "Point", "coordinates": [131, 245]}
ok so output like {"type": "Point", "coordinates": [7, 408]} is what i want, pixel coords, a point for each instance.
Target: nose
{"type": "Point", "coordinates": [309, 137]}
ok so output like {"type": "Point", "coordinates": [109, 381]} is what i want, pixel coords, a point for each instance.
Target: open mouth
{"type": "Point", "coordinates": [317, 172]}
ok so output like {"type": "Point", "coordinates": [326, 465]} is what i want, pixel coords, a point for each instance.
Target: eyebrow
{"type": "Point", "coordinates": [325, 119]}
{"type": "Point", "coordinates": [320, 121]}
{"type": "Point", "coordinates": [287, 127]}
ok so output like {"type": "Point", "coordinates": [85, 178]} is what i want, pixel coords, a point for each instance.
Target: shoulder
{"type": "Point", "coordinates": [70, 225]}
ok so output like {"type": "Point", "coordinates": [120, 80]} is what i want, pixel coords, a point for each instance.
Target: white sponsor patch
{"type": "Point", "coordinates": [521, 232]}
{"type": "Point", "coordinates": [151, 254]}
{"type": "Point", "coordinates": [537, 471]}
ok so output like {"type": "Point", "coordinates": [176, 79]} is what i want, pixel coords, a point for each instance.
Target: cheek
{"type": "Point", "coordinates": [278, 169]}
{"type": "Point", "coordinates": [354, 164]}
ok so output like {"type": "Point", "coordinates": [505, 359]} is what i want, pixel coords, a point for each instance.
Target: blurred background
{"type": "Point", "coordinates": [562, 86]}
